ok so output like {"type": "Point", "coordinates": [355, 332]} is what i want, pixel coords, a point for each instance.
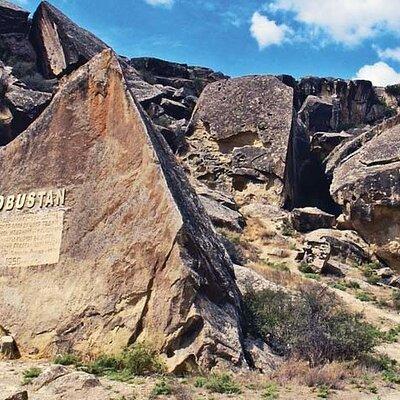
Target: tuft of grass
{"type": "Point", "coordinates": [352, 285]}
{"type": "Point", "coordinates": [67, 359]}
{"type": "Point", "coordinates": [279, 266]}
{"type": "Point", "coordinates": [396, 299]}
{"type": "Point", "coordinates": [365, 296]}
{"type": "Point", "coordinates": [161, 388]}
{"type": "Point", "coordinates": [392, 335]}
{"type": "Point", "coordinates": [316, 277]}
{"type": "Point", "coordinates": [389, 368]}
{"type": "Point", "coordinates": [218, 383]}
{"type": "Point", "coordinates": [323, 392]}
{"type": "Point", "coordinates": [287, 229]}
{"type": "Point", "coordinates": [339, 285]}
{"type": "Point", "coordinates": [271, 392]}
{"type": "Point", "coordinates": [305, 268]}
{"type": "Point", "coordinates": [30, 374]}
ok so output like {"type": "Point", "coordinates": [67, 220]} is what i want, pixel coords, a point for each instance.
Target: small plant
{"type": "Point", "coordinates": [287, 229]}
{"type": "Point", "coordinates": [161, 388]}
{"type": "Point", "coordinates": [316, 277]}
{"type": "Point", "coordinates": [30, 374]}
{"type": "Point", "coordinates": [218, 383]}
{"type": "Point", "coordinates": [392, 335]}
{"type": "Point", "coordinates": [352, 285]}
{"type": "Point", "coordinates": [396, 299]}
{"type": "Point", "coordinates": [389, 368]}
{"type": "Point", "coordinates": [234, 237]}
{"type": "Point", "coordinates": [271, 392]}
{"type": "Point", "coordinates": [323, 392]}
{"type": "Point", "coordinates": [365, 296]}
{"type": "Point", "coordinates": [340, 286]}
{"type": "Point", "coordinates": [279, 266]}
{"type": "Point", "coordinates": [305, 268]}
{"type": "Point", "coordinates": [67, 359]}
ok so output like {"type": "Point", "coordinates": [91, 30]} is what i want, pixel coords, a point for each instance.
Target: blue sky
{"type": "Point", "coordinates": [340, 38]}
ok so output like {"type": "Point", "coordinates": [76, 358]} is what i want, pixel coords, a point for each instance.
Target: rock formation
{"type": "Point", "coordinates": [366, 182]}
{"type": "Point", "coordinates": [139, 259]}
{"type": "Point", "coordinates": [13, 19]}
{"type": "Point", "coordinates": [243, 135]}
{"type": "Point", "coordinates": [60, 44]}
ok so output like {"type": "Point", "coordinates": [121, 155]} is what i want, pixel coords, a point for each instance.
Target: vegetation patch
{"type": "Point", "coordinates": [218, 383]}
{"type": "Point", "coordinates": [30, 374]}
{"type": "Point", "coordinates": [313, 325]}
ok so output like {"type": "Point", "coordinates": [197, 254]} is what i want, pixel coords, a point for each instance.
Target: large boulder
{"type": "Point", "coordinates": [13, 19]}
{"type": "Point", "coordinates": [110, 244]}
{"type": "Point", "coordinates": [311, 218]}
{"type": "Point", "coordinates": [61, 45]}
{"type": "Point", "coordinates": [244, 135]}
{"type": "Point", "coordinates": [366, 182]}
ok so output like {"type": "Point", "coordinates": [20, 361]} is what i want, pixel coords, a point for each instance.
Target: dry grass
{"type": "Point", "coordinates": [333, 375]}
{"type": "Point", "coordinates": [256, 230]}
{"type": "Point", "coordinates": [283, 278]}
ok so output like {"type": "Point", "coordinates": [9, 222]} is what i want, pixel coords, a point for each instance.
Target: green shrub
{"type": "Point", "coordinates": [389, 368]}
{"type": "Point", "coordinates": [30, 374]}
{"type": "Point", "coordinates": [287, 229]}
{"type": "Point", "coordinates": [352, 285]}
{"type": "Point", "coordinates": [323, 392]}
{"type": "Point", "coordinates": [312, 325]}
{"type": "Point", "coordinates": [271, 392]}
{"type": "Point", "coordinates": [316, 277]}
{"type": "Point", "coordinates": [392, 335]}
{"type": "Point", "coordinates": [161, 388]}
{"type": "Point", "coordinates": [218, 383]}
{"type": "Point", "coordinates": [340, 286]}
{"type": "Point", "coordinates": [365, 296]}
{"type": "Point", "coordinates": [67, 359]}
{"type": "Point", "coordinates": [305, 268]}
{"type": "Point", "coordinates": [396, 299]}
{"type": "Point", "coordinates": [139, 359]}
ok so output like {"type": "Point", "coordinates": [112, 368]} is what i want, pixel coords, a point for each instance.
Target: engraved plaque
{"type": "Point", "coordinates": [30, 239]}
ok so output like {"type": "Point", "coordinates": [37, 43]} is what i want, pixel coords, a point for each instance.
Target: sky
{"type": "Point", "coordinates": [335, 38]}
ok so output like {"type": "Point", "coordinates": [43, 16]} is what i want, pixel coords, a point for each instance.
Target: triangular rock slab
{"type": "Point", "coordinates": [139, 259]}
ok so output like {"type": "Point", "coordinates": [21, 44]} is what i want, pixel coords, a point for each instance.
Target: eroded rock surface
{"type": "Point", "coordinates": [13, 19]}
{"type": "Point", "coordinates": [242, 136]}
{"type": "Point", "coordinates": [139, 258]}
{"type": "Point", "coordinates": [60, 44]}
{"type": "Point", "coordinates": [366, 182]}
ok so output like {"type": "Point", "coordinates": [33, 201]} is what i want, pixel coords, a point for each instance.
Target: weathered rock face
{"type": "Point", "coordinates": [60, 44]}
{"type": "Point", "coordinates": [340, 105]}
{"type": "Point", "coordinates": [138, 260]}
{"type": "Point", "coordinates": [19, 106]}
{"type": "Point", "coordinates": [329, 251]}
{"type": "Point", "coordinates": [240, 136]}
{"type": "Point", "coordinates": [179, 76]}
{"type": "Point", "coordinates": [13, 19]}
{"type": "Point", "coordinates": [366, 182]}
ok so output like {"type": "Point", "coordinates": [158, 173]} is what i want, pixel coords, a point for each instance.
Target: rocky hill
{"type": "Point", "coordinates": [144, 201]}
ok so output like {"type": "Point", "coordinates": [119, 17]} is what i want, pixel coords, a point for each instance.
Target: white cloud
{"type": "Point", "coordinates": [162, 3]}
{"type": "Point", "coordinates": [345, 21]}
{"type": "Point", "coordinates": [380, 74]}
{"type": "Point", "coordinates": [266, 31]}
{"type": "Point", "coordinates": [389, 54]}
